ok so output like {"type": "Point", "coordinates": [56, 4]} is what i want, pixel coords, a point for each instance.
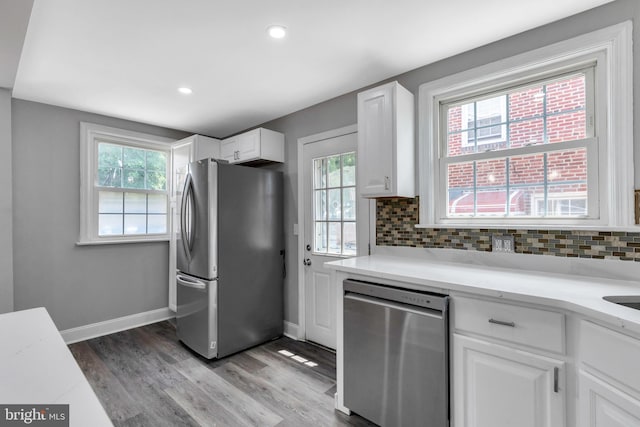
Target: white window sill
{"type": "Point", "coordinates": [536, 226]}
{"type": "Point", "coordinates": [121, 241]}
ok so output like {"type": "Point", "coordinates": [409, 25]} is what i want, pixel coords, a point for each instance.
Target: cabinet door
{"type": "Point", "coordinates": [375, 141]}
{"type": "Point", "coordinates": [206, 147]}
{"type": "Point", "coordinates": [249, 145]}
{"type": "Point", "coordinates": [228, 148]}
{"type": "Point", "coordinates": [497, 386]}
{"type": "Point", "coordinates": [603, 405]}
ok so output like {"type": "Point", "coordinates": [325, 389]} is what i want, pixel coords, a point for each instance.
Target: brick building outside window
{"type": "Point", "coordinates": [548, 183]}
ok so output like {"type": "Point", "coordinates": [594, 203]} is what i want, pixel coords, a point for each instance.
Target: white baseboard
{"type": "Point", "coordinates": [290, 330]}
{"type": "Point", "coordinates": [82, 333]}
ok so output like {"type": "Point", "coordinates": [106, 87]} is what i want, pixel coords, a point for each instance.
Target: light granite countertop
{"type": "Point", "coordinates": [37, 368]}
{"type": "Point", "coordinates": [578, 294]}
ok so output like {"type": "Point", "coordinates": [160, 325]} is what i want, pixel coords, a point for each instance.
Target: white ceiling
{"type": "Point", "coordinates": [127, 58]}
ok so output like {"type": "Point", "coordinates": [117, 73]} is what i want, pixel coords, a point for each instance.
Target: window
{"type": "Point", "coordinates": [528, 140]}
{"type": "Point", "coordinates": [334, 204]}
{"type": "Point", "coordinates": [524, 143]}
{"type": "Point", "coordinates": [125, 182]}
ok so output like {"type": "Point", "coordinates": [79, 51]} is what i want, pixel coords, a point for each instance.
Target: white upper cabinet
{"type": "Point", "coordinates": [386, 147]}
{"type": "Point", "coordinates": [256, 146]}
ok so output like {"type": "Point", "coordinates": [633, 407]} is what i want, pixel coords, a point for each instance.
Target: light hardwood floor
{"type": "Point", "coordinates": [146, 377]}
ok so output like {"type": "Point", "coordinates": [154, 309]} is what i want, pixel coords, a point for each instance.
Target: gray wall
{"type": "Point", "coordinates": [78, 285]}
{"type": "Point", "coordinates": [6, 230]}
{"type": "Point", "coordinates": [341, 111]}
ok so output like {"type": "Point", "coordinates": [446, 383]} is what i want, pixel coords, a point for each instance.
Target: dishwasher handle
{"type": "Point", "coordinates": [398, 306]}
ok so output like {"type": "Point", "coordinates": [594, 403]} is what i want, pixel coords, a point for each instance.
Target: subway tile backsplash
{"type": "Point", "coordinates": [396, 217]}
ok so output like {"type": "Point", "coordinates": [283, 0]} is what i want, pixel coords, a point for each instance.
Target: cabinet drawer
{"type": "Point", "coordinates": [521, 325]}
{"type": "Point", "coordinates": [612, 353]}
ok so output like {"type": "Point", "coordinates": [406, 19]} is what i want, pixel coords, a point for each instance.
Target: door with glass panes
{"type": "Point", "coordinates": [336, 226]}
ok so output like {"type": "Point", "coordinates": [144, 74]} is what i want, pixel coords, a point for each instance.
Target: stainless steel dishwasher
{"type": "Point", "coordinates": [396, 358]}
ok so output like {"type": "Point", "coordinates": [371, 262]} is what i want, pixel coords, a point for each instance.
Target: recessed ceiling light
{"type": "Point", "coordinates": [185, 90]}
{"type": "Point", "coordinates": [277, 31]}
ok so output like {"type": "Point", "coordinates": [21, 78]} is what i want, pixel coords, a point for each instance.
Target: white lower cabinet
{"type": "Point", "coordinates": [603, 405]}
{"type": "Point", "coordinates": [499, 386]}
{"type": "Point", "coordinates": [609, 378]}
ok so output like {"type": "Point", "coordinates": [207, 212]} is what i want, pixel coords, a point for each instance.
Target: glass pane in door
{"type": "Point", "coordinates": [334, 204]}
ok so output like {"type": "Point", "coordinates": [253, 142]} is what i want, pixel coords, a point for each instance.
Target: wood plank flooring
{"type": "Point", "coordinates": [146, 377]}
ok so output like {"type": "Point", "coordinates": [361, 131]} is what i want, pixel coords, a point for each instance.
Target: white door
{"type": "Point", "coordinates": [497, 386]}
{"type": "Point", "coordinates": [335, 226]}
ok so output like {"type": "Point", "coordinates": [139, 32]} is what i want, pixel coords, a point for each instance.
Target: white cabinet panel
{"type": "Point", "coordinates": [386, 142]}
{"type": "Point", "coordinates": [497, 386]}
{"type": "Point", "coordinates": [602, 405]}
{"type": "Point", "coordinates": [228, 149]}
{"type": "Point", "coordinates": [249, 144]}
{"type": "Point", "coordinates": [612, 353]}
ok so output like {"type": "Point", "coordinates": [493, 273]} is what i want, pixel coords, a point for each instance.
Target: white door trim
{"type": "Point", "coordinates": [346, 130]}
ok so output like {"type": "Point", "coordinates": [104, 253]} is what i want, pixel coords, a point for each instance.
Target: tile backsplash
{"type": "Point", "coordinates": [396, 217]}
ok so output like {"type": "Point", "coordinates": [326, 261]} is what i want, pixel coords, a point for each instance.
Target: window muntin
{"type": "Point", "coordinates": [504, 149]}
{"type": "Point", "coordinates": [131, 183]}
{"type": "Point", "coordinates": [334, 204]}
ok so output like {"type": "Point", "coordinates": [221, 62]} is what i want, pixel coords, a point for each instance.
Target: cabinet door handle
{"type": "Point", "coordinates": [387, 183]}
{"type": "Point", "coordinates": [556, 373]}
{"type": "Point", "coordinates": [503, 323]}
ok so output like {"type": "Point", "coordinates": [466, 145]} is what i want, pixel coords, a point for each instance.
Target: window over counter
{"type": "Point", "coordinates": [523, 152]}
{"type": "Point", "coordinates": [540, 139]}
{"type": "Point", "coordinates": [125, 183]}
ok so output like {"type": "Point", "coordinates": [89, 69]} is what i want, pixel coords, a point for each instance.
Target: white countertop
{"type": "Point", "coordinates": [574, 293]}
{"type": "Point", "coordinates": [37, 368]}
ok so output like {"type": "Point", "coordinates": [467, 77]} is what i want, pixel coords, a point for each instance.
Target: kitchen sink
{"type": "Point", "coordinates": [631, 301]}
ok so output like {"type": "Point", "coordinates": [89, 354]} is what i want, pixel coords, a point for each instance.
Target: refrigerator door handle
{"type": "Point", "coordinates": [187, 235]}
{"type": "Point", "coordinates": [185, 281]}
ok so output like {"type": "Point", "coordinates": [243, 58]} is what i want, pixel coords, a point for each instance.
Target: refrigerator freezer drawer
{"type": "Point", "coordinates": [197, 314]}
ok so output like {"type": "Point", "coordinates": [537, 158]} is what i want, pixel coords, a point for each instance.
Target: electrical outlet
{"type": "Point", "coordinates": [504, 244]}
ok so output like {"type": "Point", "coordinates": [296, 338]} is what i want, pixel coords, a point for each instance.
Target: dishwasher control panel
{"type": "Point", "coordinates": [421, 299]}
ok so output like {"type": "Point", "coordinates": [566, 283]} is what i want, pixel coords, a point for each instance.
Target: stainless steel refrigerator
{"type": "Point", "coordinates": [230, 258]}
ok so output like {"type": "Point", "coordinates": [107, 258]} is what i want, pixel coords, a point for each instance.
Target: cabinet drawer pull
{"type": "Point", "coordinates": [500, 322]}
{"type": "Point", "coordinates": [556, 372]}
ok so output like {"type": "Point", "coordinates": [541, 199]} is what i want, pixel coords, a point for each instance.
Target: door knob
{"type": "Point", "coordinates": [306, 261]}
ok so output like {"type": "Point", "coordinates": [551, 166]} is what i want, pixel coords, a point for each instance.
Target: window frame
{"type": "Point", "coordinates": [610, 50]}
{"type": "Point", "coordinates": [90, 136]}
